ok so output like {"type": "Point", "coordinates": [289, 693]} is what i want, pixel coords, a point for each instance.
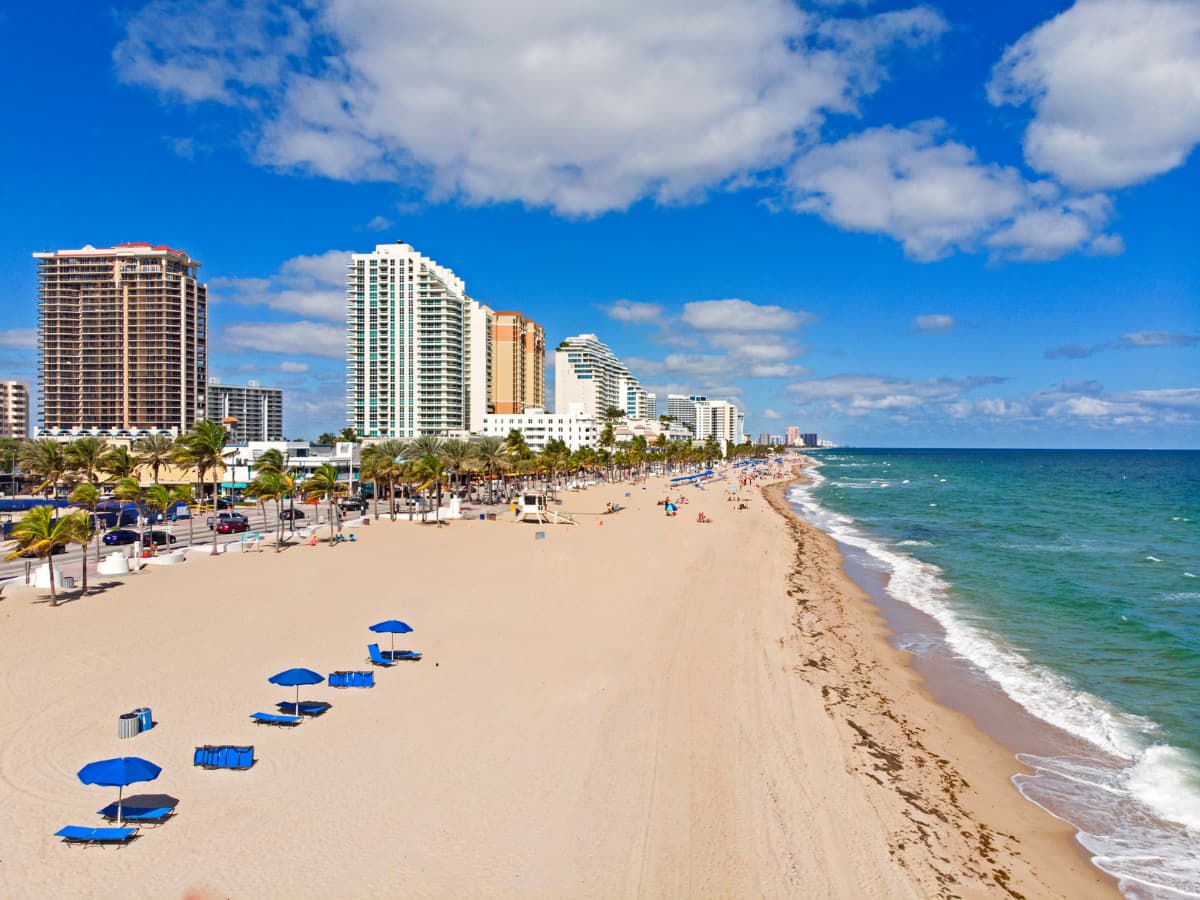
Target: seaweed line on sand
{"type": "Point", "coordinates": [942, 844]}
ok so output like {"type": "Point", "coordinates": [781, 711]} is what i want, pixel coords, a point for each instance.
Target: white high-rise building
{"type": "Point", "coordinates": [257, 409]}
{"type": "Point", "coordinates": [14, 409]}
{"type": "Point", "coordinates": [682, 409]}
{"type": "Point", "coordinates": [719, 419]}
{"type": "Point", "coordinates": [587, 372]}
{"type": "Point", "coordinates": [417, 346]}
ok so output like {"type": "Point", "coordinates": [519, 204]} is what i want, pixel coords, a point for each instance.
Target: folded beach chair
{"type": "Point", "coordinates": [262, 718]}
{"type": "Point", "coordinates": [144, 815]}
{"type": "Point", "coordinates": [224, 757]}
{"type": "Point", "coordinates": [76, 834]}
{"type": "Point", "coordinates": [351, 679]}
{"type": "Point", "coordinates": [306, 708]}
{"type": "Point", "coordinates": [397, 655]}
{"type": "Point", "coordinates": [377, 658]}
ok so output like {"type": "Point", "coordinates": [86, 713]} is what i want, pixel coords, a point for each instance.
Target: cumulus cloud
{"type": "Point", "coordinates": [304, 286]}
{"type": "Point", "coordinates": [934, 195]}
{"type": "Point", "coordinates": [1138, 340]}
{"type": "Point", "coordinates": [1112, 86]}
{"type": "Point", "coordinates": [771, 414]}
{"type": "Point", "coordinates": [293, 367]}
{"type": "Point", "coordinates": [741, 315]}
{"type": "Point", "coordinates": [379, 223]}
{"type": "Point", "coordinates": [18, 339]}
{"type": "Point", "coordinates": [633, 311]}
{"type": "Point", "coordinates": [937, 323]}
{"type": "Point", "coordinates": [860, 395]}
{"type": "Point", "coordinates": [297, 338]}
{"type": "Point", "coordinates": [582, 107]}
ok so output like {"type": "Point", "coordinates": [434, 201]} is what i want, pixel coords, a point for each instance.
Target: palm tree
{"type": "Point", "coordinates": [82, 531]}
{"type": "Point", "coordinates": [46, 461]}
{"type": "Point", "coordinates": [327, 437]}
{"type": "Point", "coordinates": [119, 463]}
{"type": "Point", "coordinates": [271, 461]}
{"type": "Point", "coordinates": [372, 469]}
{"type": "Point", "coordinates": [40, 532]}
{"type": "Point", "coordinates": [158, 498]}
{"type": "Point", "coordinates": [85, 457]}
{"type": "Point", "coordinates": [515, 445]}
{"type": "Point", "coordinates": [155, 451]}
{"type": "Point", "coordinates": [275, 486]}
{"type": "Point", "coordinates": [457, 454]}
{"type": "Point", "coordinates": [183, 495]}
{"type": "Point", "coordinates": [429, 467]}
{"type": "Point", "coordinates": [323, 484]}
{"type": "Point", "coordinates": [204, 449]}
{"type": "Point", "coordinates": [348, 435]}
{"type": "Point", "coordinates": [491, 456]}
{"type": "Point", "coordinates": [424, 445]}
{"type": "Point", "coordinates": [129, 490]}
{"type": "Point", "coordinates": [87, 497]}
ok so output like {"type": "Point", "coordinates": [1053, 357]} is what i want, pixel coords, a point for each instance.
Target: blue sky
{"type": "Point", "coordinates": [952, 224]}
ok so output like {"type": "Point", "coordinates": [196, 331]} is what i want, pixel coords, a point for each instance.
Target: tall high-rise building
{"type": "Point", "coordinates": [721, 420]}
{"type": "Point", "coordinates": [682, 409]}
{"type": "Point", "coordinates": [122, 339]}
{"type": "Point", "coordinates": [518, 364]}
{"type": "Point", "coordinates": [257, 409]}
{"type": "Point", "coordinates": [14, 409]}
{"type": "Point", "coordinates": [417, 347]}
{"type": "Point", "coordinates": [587, 372]}
{"type": "Point", "coordinates": [793, 436]}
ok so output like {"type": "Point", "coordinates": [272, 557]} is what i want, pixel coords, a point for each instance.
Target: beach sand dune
{"type": "Point", "coordinates": [613, 711]}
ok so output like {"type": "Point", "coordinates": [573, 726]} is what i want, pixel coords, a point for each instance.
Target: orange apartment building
{"type": "Point", "coordinates": [518, 364]}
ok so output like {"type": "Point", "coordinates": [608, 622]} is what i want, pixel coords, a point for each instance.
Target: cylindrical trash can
{"type": "Point", "coordinates": [145, 719]}
{"type": "Point", "coordinates": [127, 725]}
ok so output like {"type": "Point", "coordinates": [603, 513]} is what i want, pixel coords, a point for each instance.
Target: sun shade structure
{"type": "Point", "coordinates": [392, 627]}
{"type": "Point", "coordinates": [295, 678]}
{"type": "Point", "coordinates": [119, 773]}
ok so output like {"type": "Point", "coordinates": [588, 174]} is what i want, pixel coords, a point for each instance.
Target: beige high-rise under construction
{"type": "Point", "coordinates": [518, 364]}
{"type": "Point", "coordinates": [122, 339]}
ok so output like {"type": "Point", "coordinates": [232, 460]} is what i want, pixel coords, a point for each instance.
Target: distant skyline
{"type": "Point", "coordinates": [943, 224]}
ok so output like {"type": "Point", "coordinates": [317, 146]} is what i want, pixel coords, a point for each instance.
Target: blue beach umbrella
{"type": "Point", "coordinates": [118, 773]}
{"type": "Point", "coordinates": [392, 627]}
{"type": "Point", "coordinates": [295, 678]}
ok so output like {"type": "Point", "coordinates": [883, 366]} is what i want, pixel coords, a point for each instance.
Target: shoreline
{"type": "Point", "coordinates": [971, 812]}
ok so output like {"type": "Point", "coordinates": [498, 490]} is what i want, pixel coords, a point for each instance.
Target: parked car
{"type": "Point", "coordinates": [228, 517]}
{"type": "Point", "coordinates": [122, 536]}
{"type": "Point", "coordinates": [154, 536]}
{"type": "Point", "coordinates": [233, 526]}
{"type": "Point", "coordinates": [351, 504]}
{"type": "Point", "coordinates": [290, 515]}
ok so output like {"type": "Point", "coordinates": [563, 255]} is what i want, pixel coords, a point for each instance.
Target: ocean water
{"type": "Point", "coordinates": [1069, 580]}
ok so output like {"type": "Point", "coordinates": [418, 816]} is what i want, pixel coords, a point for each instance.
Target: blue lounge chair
{"type": "Point", "coordinates": [146, 815]}
{"type": "Point", "coordinates": [397, 655]}
{"type": "Point", "coordinates": [262, 718]}
{"type": "Point", "coordinates": [224, 757]}
{"type": "Point", "coordinates": [378, 658]}
{"type": "Point", "coordinates": [307, 708]}
{"type": "Point", "coordinates": [351, 679]}
{"type": "Point", "coordinates": [77, 834]}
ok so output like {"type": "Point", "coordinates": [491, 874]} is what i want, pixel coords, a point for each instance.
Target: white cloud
{"type": "Point", "coordinates": [302, 338]}
{"type": "Point", "coordinates": [293, 367]}
{"type": "Point", "coordinates": [859, 395]}
{"type": "Point", "coordinates": [379, 223]}
{"type": "Point", "coordinates": [771, 414]}
{"type": "Point", "coordinates": [742, 315]}
{"type": "Point", "coordinates": [633, 311]}
{"type": "Point", "coordinates": [1137, 340]}
{"type": "Point", "coordinates": [18, 339]}
{"type": "Point", "coordinates": [1112, 85]}
{"type": "Point", "coordinates": [582, 107]}
{"type": "Point", "coordinates": [934, 195]}
{"type": "Point", "coordinates": [936, 323]}
{"type": "Point", "coordinates": [304, 285]}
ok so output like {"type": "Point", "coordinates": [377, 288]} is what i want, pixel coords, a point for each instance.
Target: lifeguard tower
{"type": "Point", "coordinates": [533, 507]}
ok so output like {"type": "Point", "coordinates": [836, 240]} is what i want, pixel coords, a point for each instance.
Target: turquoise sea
{"type": "Point", "coordinates": [1069, 580]}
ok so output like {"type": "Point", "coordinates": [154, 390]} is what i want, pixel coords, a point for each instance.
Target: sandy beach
{"type": "Point", "coordinates": [634, 706]}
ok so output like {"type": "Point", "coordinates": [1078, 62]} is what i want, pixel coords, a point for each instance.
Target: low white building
{"type": "Point", "coordinates": [576, 428]}
{"type": "Point", "coordinates": [302, 458]}
{"type": "Point", "coordinates": [626, 430]}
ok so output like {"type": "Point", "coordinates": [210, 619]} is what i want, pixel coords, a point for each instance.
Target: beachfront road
{"type": "Point", "coordinates": [264, 523]}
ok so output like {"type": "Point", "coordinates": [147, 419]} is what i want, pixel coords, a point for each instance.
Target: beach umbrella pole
{"type": "Point", "coordinates": [120, 812]}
